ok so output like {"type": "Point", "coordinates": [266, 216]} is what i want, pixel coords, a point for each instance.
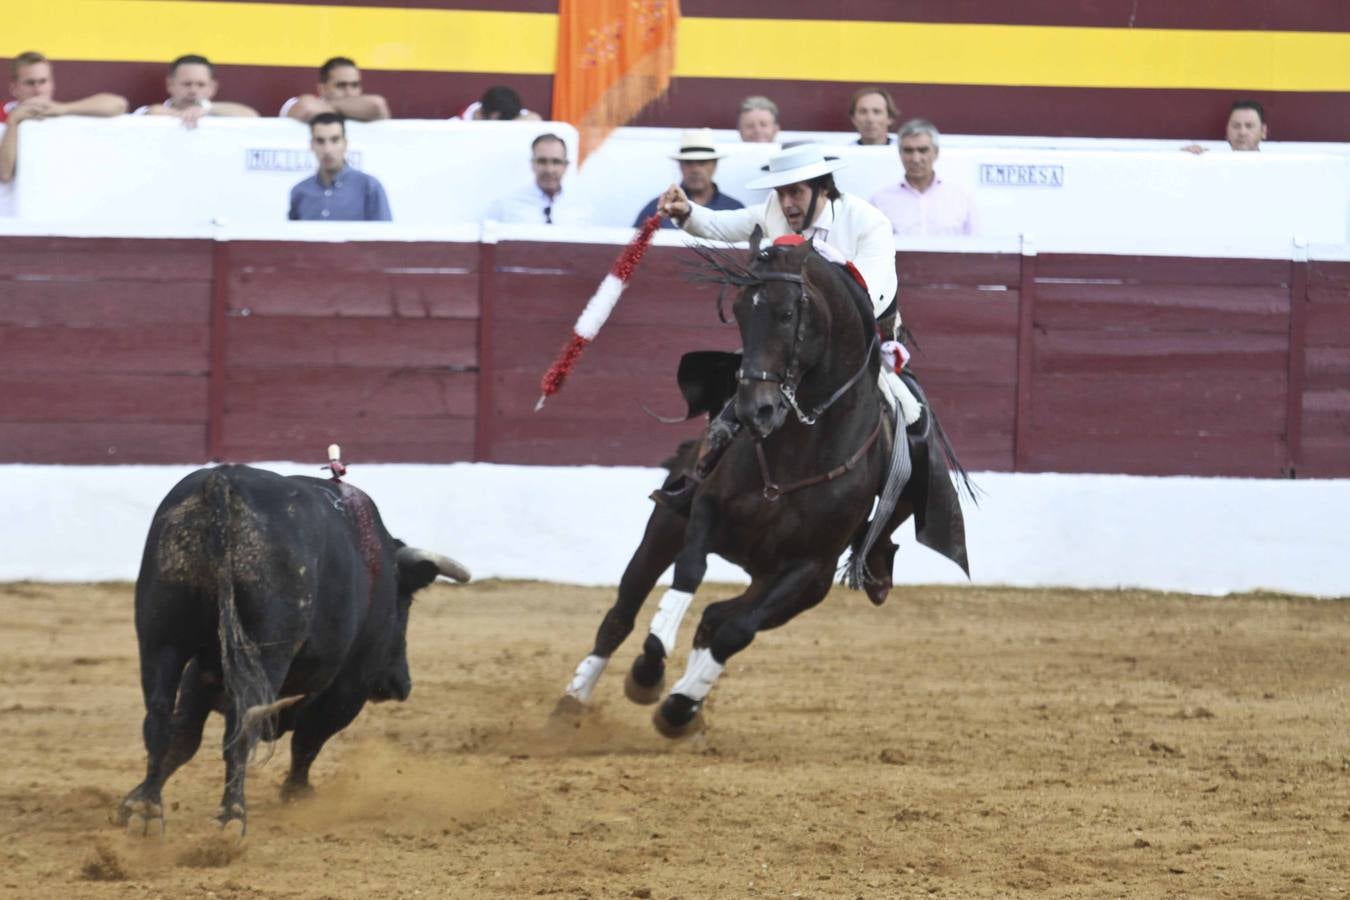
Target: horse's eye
{"type": "Point", "coordinates": [785, 316]}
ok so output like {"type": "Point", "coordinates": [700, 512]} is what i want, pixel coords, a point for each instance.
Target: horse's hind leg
{"type": "Point", "coordinates": [646, 679]}
{"type": "Point", "coordinates": [728, 628]}
{"type": "Point", "coordinates": [660, 544]}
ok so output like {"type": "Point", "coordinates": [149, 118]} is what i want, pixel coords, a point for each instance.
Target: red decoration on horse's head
{"type": "Point", "coordinates": [789, 240]}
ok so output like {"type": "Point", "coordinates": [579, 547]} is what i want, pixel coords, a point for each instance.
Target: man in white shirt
{"type": "Point", "coordinates": [842, 227]}
{"type": "Point", "coordinates": [339, 90]}
{"type": "Point", "coordinates": [192, 88]}
{"type": "Point", "coordinates": [922, 203]}
{"type": "Point", "coordinates": [33, 87]}
{"type": "Point", "coordinates": [1246, 128]}
{"type": "Point", "coordinates": [544, 202]}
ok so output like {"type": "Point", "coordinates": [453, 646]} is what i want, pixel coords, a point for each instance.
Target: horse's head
{"type": "Point", "coordinates": [785, 325]}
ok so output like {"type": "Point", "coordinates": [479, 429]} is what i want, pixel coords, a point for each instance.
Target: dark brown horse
{"type": "Point", "coordinates": [793, 490]}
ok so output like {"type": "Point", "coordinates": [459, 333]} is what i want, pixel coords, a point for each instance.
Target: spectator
{"type": "Point", "coordinates": [698, 163]}
{"type": "Point", "coordinates": [32, 86]}
{"type": "Point", "coordinates": [544, 202]}
{"type": "Point", "coordinates": [339, 91]}
{"type": "Point", "coordinates": [192, 86]}
{"type": "Point", "coordinates": [1246, 127]}
{"type": "Point", "coordinates": [758, 120]}
{"type": "Point", "coordinates": [873, 114]}
{"type": "Point", "coordinates": [498, 104]}
{"type": "Point", "coordinates": [922, 203]}
{"type": "Point", "coordinates": [337, 192]}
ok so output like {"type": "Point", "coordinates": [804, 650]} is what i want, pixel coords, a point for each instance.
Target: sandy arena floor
{"type": "Point", "coordinates": [955, 742]}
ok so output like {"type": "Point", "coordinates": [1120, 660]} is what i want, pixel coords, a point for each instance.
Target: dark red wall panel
{"type": "Point", "coordinates": [408, 352]}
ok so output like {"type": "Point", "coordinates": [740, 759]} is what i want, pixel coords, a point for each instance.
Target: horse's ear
{"type": "Point", "coordinates": [756, 238]}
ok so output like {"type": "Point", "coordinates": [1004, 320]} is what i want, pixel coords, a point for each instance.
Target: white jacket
{"type": "Point", "coordinates": [851, 225]}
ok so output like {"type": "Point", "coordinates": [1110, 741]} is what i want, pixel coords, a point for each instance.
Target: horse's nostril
{"type": "Point", "coordinates": [765, 412]}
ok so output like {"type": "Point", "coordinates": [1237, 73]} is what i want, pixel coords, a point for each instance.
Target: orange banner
{"type": "Point", "coordinates": [614, 58]}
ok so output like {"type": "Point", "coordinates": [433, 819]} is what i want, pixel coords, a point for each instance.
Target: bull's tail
{"type": "Point", "coordinates": [247, 686]}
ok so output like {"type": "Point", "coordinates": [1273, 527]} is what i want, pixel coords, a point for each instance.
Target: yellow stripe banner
{"type": "Point", "coordinates": [270, 34]}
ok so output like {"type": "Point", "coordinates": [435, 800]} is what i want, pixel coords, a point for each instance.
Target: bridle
{"type": "Point", "coordinates": [789, 379]}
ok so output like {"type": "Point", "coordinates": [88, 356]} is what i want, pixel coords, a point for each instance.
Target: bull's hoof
{"type": "Point", "coordinates": [567, 708]}
{"type": "Point", "coordinates": [296, 791]}
{"type": "Point", "coordinates": [646, 680]}
{"type": "Point", "coordinates": [678, 717]}
{"type": "Point", "coordinates": [141, 818]}
{"type": "Point", "coordinates": [233, 821]}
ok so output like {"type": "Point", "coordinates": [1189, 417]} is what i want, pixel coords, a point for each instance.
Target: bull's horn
{"type": "Point", "coordinates": [255, 714]}
{"type": "Point", "coordinates": [444, 564]}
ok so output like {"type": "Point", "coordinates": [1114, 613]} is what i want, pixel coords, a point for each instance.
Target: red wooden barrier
{"type": "Point", "coordinates": [179, 351]}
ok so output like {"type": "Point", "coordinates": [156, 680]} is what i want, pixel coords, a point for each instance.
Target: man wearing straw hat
{"type": "Point", "coordinates": [698, 163]}
{"type": "Point", "coordinates": [842, 227]}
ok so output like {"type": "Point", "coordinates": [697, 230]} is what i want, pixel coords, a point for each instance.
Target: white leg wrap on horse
{"type": "Point", "coordinates": [699, 677]}
{"type": "Point", "coordinates": [900, 392]}
{"type": "Point", "coordinates": [588, 673]}
{"type": "Point", "coordinates": [666, 622]}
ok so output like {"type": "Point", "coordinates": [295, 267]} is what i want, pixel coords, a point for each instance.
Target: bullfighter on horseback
{"type": "Point", "coordinates": [843, 228]}
{"type": "Point", "coordinates": [828, 466]}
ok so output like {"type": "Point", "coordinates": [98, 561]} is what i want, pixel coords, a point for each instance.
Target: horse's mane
{"type": "Point", "coordinates": [723, 266]}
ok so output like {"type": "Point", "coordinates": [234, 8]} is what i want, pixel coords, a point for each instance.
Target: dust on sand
{"type": "Point", "coordinates": [957, 742]}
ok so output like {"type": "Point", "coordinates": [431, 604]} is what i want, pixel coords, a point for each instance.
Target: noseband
{"type": "Point", "coordinates": [790, 378]}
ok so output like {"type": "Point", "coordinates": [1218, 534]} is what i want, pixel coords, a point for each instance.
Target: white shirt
{"type": "Point", "coordinates": [531, 206]}
{"type": "Point", "coordinates": [850, 225]}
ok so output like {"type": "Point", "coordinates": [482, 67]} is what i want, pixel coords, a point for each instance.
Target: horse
{"type": "Point", "coordinates": [792, 491]}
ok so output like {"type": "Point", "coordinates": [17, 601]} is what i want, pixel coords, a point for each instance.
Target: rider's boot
{"type": "Point", "coordinates": [679, 497]}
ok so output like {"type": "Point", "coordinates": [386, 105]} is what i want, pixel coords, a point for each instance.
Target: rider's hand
{"type": "Point", "coordinates": [674, 204]}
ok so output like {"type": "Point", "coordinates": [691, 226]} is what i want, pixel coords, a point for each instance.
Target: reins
{"type": "Point", "coordinates": [787, 383]}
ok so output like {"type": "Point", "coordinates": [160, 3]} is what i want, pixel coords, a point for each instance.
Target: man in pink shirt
{"type": "Point", "coordinates": [922, 203]}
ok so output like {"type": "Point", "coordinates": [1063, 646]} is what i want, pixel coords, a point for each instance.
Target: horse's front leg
{"type": "Point", "coordinates": [660, 543]}
{"type": "Point", "coordinates": [728, 628]}
{"type": "Point", "coordinates": [646, 679]}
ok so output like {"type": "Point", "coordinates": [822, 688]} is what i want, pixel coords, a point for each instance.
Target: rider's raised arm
{"type": "Point", "coordinates": [722, 224]}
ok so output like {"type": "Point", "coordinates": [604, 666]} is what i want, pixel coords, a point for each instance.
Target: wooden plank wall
{"type": "Point", "coordinates": [371, 345]}
{"type": "Point", "coordinates": [103, 350]}
{"type": "Point", "coordinates": [1326, 390]}
{"type": "Point", "coordinates": [1153, 366]}
{"type": "Point", "coordinates": [181, 351]}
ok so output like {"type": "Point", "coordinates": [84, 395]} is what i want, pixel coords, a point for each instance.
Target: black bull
{"type": "Point", "coordinates": [280, 602]}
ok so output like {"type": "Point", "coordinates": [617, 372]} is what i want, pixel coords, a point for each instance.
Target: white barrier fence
{"type": "Point", "coordinates": [152, 171]}
{"type": "Point", "coordinates": [579, 525]}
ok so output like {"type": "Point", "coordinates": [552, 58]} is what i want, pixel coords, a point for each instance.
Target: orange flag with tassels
{"type": "Point", "coordinates": [614, 58]}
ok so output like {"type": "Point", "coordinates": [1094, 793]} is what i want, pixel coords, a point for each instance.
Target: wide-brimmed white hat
{"type": "Point", "coordinates": [800, 163]}
{"type": "Point", "coordinates": [697, 144]}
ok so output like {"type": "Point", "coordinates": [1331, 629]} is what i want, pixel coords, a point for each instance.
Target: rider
{"type": "Point", "coordinates": [844, 228]}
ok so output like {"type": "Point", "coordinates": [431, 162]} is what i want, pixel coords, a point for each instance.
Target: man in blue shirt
{"type": "Point", "coordinates": [698, 163]}
{"type": "Point", "coordinates": [336, 192]}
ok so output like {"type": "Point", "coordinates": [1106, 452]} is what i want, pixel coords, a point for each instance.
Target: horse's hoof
{"type": "Point", "coordinates": [568, 707]}
{"type": "Point", "coordinates": [678, 717]}
{"type": "Point", "coordinates": [641, 694]}
{"type": "Point", "coordinates": [877, 591]}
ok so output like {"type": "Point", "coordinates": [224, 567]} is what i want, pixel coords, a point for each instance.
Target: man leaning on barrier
{"type": "Point", "coordinates": [192, 89]}
{"type": "Point", "coordinates": [339, 90]}
{"type": "Point", "coordinates": [33, 88]}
